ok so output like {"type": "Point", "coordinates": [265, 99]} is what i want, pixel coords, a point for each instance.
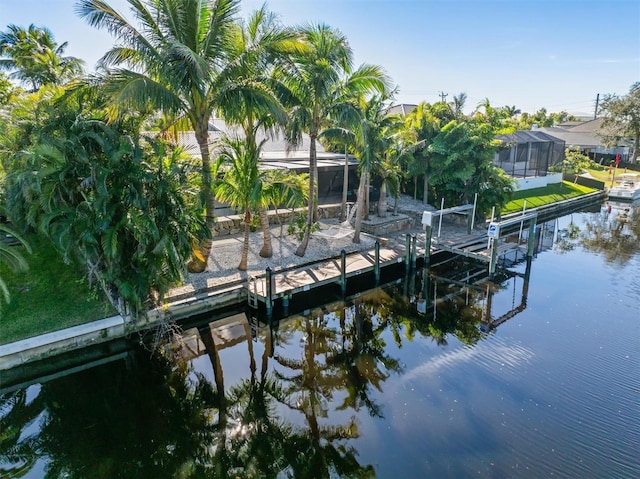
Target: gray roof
{"type": "Point", "coordinates": [574, 138]}
{"type": "Point", "coordinates": [528, 136]}
{"type": "Point", "coordinates": [591, 126]}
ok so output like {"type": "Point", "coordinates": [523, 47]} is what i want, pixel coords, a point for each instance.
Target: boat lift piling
{"type": "Point", "coordinates": [494, 233]}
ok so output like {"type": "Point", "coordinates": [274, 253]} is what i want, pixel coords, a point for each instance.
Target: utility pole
{"type": "Point", "coordinates": [443, 95]}
{"type": "Point", "coordinates": [595, 113]}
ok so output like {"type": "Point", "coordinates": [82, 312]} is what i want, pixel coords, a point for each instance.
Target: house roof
{"type": "Point", "coordinates": [571, 137]}
{"type": "Point", "coordinates": [528, 136]}
{"type": "Point", "coordinates": [275, 153]}
{"type": "Point", "coordinates": [275, 146]}
{"type": "Point", "coordinates": [591, 126]}
{"type": "Point", "coordinates": [401, 109]}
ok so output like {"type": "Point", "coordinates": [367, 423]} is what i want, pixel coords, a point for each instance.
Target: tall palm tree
{"type": "Point", "coordinates": [372, 138]}
{"type": "Point", "coordinates": [322, 81]}
{"type": "Point", "coordinates": [176, 60]}
{"type": "Point", "coordinates": [34, 57]}
{"type": "Point", "coordinates": [257, 46]}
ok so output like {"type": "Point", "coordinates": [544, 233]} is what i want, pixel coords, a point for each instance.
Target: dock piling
{"type": "Point", "coordinates": [531, 240]}
{"type": "Point", "coordinates": [376, 266]}
{"type": "Point", "coordinates": [414, 253]}
{"type": "Point", "coordinates": [407, 252]}
{"type": "Point", "coordinates": [343, 272]}
{"type": "Point", "coordinates": [269, 287]}
{"type": "Point", "coordinates": [427, 244]}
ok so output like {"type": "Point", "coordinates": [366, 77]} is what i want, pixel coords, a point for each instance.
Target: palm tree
{"type": "Point", "coordinates": [322, 81]}
{"type": "Point", "coordinates": [258, 45]}
{"type": "Point", "coordinates": [372, 138]}
{"type": "Point", "coordinates": [178, 62]}
{"type": "Point", "coordinates": [241, 185]}
{"type": "Point", "coordinates": [33, 56]}
{"type": "Point", "coordinates": [458, 104]}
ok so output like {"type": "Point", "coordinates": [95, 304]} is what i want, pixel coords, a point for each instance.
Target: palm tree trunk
{"type": "Point", "coordinates": [415, 188]}
{"type": "Point", "coordinates": [245, 244]}
{"type": "Point", "coordinates": [426, 188]}
{"type": "Point", "coordinates": [198, 262]}
{"type": "Point", "coordinates": [267, 249]}
{"type": "Point", "coordinates": [382, 201]}
{"type": "Point", "coordinates": [367, 187]}
{"type": "Point", "coordinates": [313, 195]}
{"type": "Point", "coordinates": [359, 202]}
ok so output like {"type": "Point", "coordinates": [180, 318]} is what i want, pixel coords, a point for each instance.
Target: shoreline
{"type": "Point", "coordinates": [219, 287]}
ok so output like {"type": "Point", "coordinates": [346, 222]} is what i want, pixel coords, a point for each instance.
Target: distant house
{"type": "Point", "coordinates": [401, 109]}
{"type": "Point", "coordinates": [276, 154]}
{"type": "Point", "coordinates": [584, 135]}
{"type": "Point", "coordinates": [529, 153]}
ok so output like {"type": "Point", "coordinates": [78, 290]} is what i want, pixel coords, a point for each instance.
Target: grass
{"type": "Point", "coordinates": [49, 296]}
{"type": "Point", "coordinates": [546, 195]}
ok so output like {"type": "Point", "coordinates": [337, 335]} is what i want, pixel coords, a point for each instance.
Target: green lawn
{"type": "Point", "coordinates": [544, 196]}
{"type": "Point", "coordinates": [49, 296]}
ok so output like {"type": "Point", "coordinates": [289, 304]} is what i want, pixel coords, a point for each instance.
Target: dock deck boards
{"type": "Point", "coordinates": [304, 278]}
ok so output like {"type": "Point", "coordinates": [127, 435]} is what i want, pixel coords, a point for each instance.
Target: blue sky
{"type": "Point", "coordinates": [556, 54]}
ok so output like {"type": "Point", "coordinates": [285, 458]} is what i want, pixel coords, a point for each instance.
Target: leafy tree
{"type": "Point", "coordinates": [574, 162]}
{"type": "Point", "coordinates": [176, 61]}
{"type": "Point", "coordinates": [10, 256]}
{"type": "Point", "coordinates": [108, 198]}
{"type": "Point", "coordinates": [425, 121]}
{"type": "Point", "coordinates": [463, 165]}
{"type": "Point", "coordinates": [621, 119]}
{"type": "Point", "coordinates": [33, 56]}
{"type": "Point", "coordinates": [322, 81]}
{"type": "Point", "coordinates": [7, 90]}
{"type": "Point", "coordinates": [541, 118]}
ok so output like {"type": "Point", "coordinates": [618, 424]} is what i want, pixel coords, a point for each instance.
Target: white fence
{"type": "Point", "coordinates": [537, 181]}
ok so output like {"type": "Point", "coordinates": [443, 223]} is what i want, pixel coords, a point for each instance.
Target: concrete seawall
{"type": "Point", "coordinates": [180, 307]}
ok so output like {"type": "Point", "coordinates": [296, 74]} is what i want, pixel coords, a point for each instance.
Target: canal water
{"type": "Point", "coordinates": [445, 373]}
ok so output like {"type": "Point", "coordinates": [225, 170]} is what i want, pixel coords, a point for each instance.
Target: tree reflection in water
{"type": "Point", "coordinates": [293, 413]}
{"type": "Point", "coordinates": [144, 420]}
{"type": "Point", "coordinates": [613, 233]}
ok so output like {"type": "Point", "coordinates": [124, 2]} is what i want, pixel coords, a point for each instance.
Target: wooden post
{"type": "Point", "coordinates": [427, 245]}
{"type": "Point", "coordinates": [414, 253]}
{"type": "Point", "coordinates": [440, 221]}
{"type": "Point", "coordinates": [343, 272]}
{"type": "Point", "coordinates": [376, 266]}
{"type": "Point", "coordinates": [407, 252]}
{"type": "Point", "coordinates": [269, 286]}
{"type": "Point", "coordinates": [531, 241]}
{"type": "Point", "coordinates": [493, 255]}
{"type": "Point", "coordinates": [473, 213]}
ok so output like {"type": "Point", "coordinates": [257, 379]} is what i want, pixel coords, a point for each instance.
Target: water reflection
{"type": "Point", "coordinates": [614, 232]}
{"type": "Point", "coordinates": [308, 396]}
{"type": "Point", "coordinates": [142, 419]}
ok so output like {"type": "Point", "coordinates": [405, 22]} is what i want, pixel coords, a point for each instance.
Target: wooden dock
{"type": "Point", "coordinates": [285, 284]}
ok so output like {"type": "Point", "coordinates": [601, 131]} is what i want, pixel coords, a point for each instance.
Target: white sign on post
{"type": "Point", "coordinates": [494, 230]}
{"type": "Point", "coordinates": [427, 218]}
